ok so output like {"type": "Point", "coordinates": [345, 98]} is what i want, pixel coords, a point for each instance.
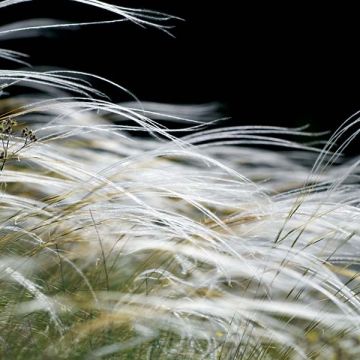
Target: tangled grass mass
{"type": "Point", "coordinates": [225, 243]}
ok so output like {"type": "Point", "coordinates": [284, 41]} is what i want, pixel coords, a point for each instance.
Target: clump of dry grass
{"type": "Point", "coordinates": [208, 246]}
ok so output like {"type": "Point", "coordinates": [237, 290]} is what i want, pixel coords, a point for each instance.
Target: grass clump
{"type": "Point", "coordinates": [209, 246]}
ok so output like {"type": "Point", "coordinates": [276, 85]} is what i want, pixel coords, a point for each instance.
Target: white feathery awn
{"type": "Point", "coordinates": [205, 246]}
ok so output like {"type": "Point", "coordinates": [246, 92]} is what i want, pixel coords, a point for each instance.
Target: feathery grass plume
{"type": "Point", "coordinates": [209, 246]}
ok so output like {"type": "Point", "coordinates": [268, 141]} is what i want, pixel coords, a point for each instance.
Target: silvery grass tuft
{"type": "Point", "coordinates": [227, 243]}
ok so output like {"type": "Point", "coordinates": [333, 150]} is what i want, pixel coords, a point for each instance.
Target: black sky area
{"type": "Point", "coordinates": [267, 64]}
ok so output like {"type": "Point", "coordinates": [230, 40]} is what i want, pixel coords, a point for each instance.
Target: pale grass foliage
{"type": "Point", "coordinates": [226, 243]}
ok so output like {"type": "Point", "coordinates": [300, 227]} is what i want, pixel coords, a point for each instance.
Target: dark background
{"type": "Point", "coordinates": [267, 64]}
